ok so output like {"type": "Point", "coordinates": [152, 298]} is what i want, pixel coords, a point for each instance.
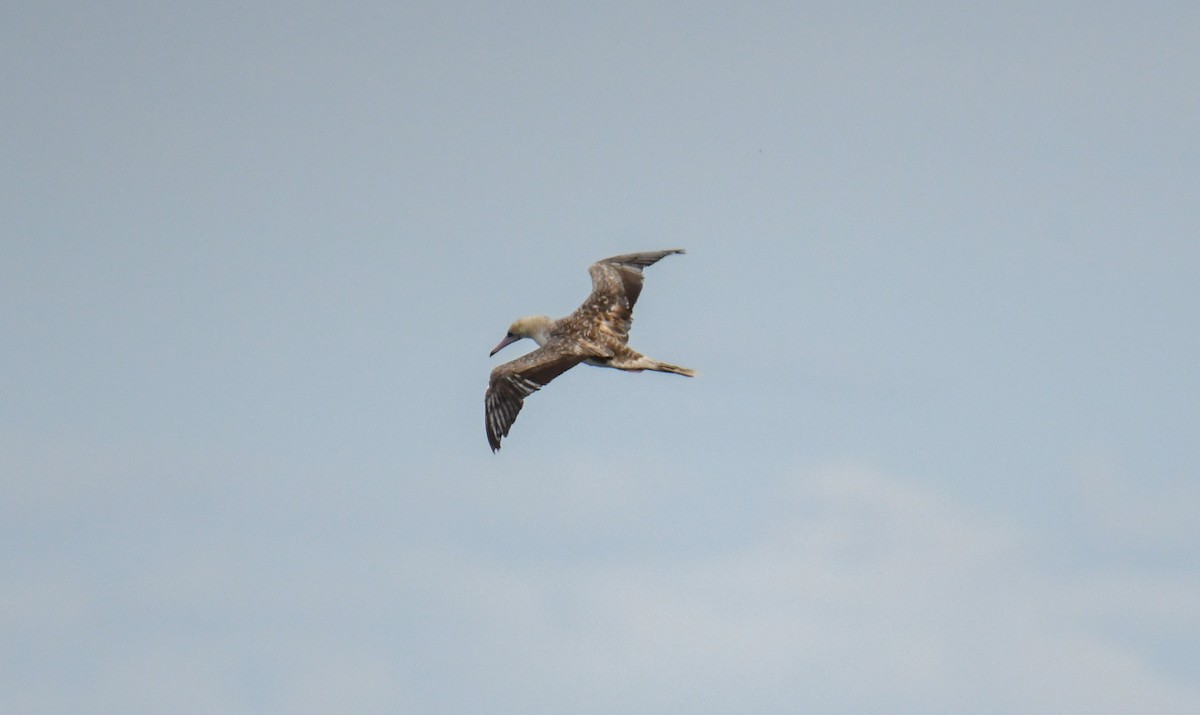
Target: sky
{"type": "Point", "coordinates": [940, 289]}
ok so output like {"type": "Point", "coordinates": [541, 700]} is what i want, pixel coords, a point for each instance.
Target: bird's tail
{"type": "Point", "coordinates": [668, 367]}
{"type": "Point", "coordinates": [632, 361]}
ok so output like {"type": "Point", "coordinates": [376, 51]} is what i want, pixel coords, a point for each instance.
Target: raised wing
{"type": "Point", "coordinates": [513, 381]}
{"type": "Point", "coordinates": [616, 285]}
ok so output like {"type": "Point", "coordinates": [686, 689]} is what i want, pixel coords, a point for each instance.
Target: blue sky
{"type": "Point", "coordinates": [940, 288]}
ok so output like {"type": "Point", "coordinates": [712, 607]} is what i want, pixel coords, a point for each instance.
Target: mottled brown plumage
{"type": "Point", "coordinates": [596, 333]}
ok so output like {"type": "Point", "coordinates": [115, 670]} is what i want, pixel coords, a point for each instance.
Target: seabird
{"type": "Point", "coordinates": [597, 333]}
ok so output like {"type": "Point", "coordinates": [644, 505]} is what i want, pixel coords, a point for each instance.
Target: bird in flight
{"type": "Point", "coordinates": [597, 333]}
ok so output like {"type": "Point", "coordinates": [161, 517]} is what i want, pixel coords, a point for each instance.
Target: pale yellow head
{"type": "Point", "coordinates": [535, 327]}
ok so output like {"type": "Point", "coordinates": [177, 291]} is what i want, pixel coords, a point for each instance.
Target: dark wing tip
{"type": "Point", "coordinates": [501, 406]}
{"type": "Point", "coordinates": [642, 260]}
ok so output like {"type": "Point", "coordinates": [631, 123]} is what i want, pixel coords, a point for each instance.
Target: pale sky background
{"type": "Point", "coordinates": [942, 287]}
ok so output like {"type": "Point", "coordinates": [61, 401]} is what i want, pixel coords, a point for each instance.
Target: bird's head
{"type": "Point", "coordinates": [536, 327]}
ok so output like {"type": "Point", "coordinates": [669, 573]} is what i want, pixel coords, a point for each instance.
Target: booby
{"type": "Point", "coordinates": [597, 333]}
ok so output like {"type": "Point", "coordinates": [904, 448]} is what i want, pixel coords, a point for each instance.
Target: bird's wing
{"type": "Point", "coordinates": [616, 285]}
{"type": "Point", "coordinates": [513, 381]}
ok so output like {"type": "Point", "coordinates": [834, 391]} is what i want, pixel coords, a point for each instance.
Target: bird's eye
{"type": "Point", "coordinates": [510, 334]}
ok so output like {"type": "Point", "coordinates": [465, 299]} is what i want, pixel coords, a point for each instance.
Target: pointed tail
{"type": "Point", "coordinates": [668, 367]}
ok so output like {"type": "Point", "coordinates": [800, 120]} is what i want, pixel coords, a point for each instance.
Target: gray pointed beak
{"type": "Point", "coordinates": [508, 340]}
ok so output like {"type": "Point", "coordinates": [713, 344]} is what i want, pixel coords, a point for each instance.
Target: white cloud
{"type": "Point", "coordinates": [839, 590]}
{"type": "Point", "coordinates": [860, 594]}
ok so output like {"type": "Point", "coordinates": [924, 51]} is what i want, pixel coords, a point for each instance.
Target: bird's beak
{"type": "Point", "coordinates": [508, 340]}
